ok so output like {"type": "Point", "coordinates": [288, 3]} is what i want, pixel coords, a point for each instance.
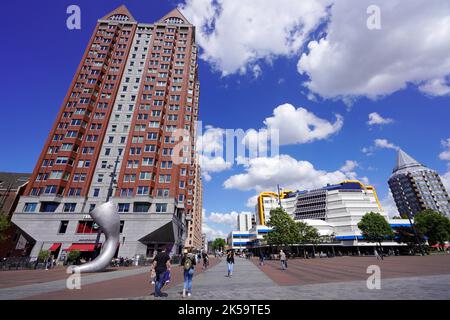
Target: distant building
{"type": "Point", "coordinates": [334, 210]}
{"type": "Point", "coordinates": [340, 206]}
{"type": "Point", "coordinates": [204, 243]}
{"type": "Point", "coordinates": [12, 186]}
{"type": "Point", "coordinates": [416, 187]}
{"type": "Point", "coordinates": [244, 221]}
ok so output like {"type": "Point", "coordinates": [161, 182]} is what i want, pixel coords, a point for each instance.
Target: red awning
{"type": "Point", "coordinates": [54, 247]}
{"type": "Point", "coordinates": [446, 245]}
{"type": "Point", "coordinates": [81, 247]}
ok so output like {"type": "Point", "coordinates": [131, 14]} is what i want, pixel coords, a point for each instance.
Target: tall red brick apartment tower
{"type": "Point", "coordinates": [136, 85]}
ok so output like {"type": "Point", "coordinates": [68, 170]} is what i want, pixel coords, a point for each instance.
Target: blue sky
{"type": "Point", "coordinates": [304, 59]}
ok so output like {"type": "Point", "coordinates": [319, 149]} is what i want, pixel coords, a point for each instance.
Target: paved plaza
{"type": "Point", "coordinates": [328, 278]}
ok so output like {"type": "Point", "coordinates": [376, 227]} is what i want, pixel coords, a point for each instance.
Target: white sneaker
{"type": "Point", "coordinates": [189, 294]}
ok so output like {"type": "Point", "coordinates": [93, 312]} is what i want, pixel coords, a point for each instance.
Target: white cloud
{"type": "Point", "coordinates": [212, 165]}
{"type": "Point", "coordinates": [445, 155]}
{"type": "Point", "coordinates": [213, 233]}
{"type": "Point", "coordinates": [229, 219]}
{"type": "Point", "coordinates": [384, 144]}
{"type": "Point", "coordinates": [265, 173]}
{"type": "Point", "coordinates": [210, 152]}
{"type": "Point", "coordinates": [252, 201]}
{"type": "Point", "coordinates": [411, 48]}
{"type": "Point", "coordinates": [389, 206]}
{"type": "Point", "coordinates": [211, 141]}
{"type": "Point", "coordinates": [349, 166]}
{"type": "Point", "coordinates": [379, 144]}
{"type": "Point", "coordinates": [234, 35]}
{"type": "Point", "coordinates": [375, 118]}
{"type": "Point", "coordinates": [257, 72]}
{"type": "Point", "coordinates": [301, 126]}
{"type": "Point", "coordinates": [436, 87]}
{"type": "Point", "coordinates": [287, 125]}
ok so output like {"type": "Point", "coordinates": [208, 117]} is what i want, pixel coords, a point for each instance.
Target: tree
{"type": "Point", "coordinates": [285, 231]}
{"type": "Point", "coordinates": [4, 225]}
{"type": "Point", "coordinates": [218, 244]}
{"type": "Point", "coordinates": [308, 234]}
{"type": "Point", "coordinates": [434, 225]}
{"type": "Point", "coordinates": [73, 256]}
{"type": "Point", "coordinates": [406, 235]}
{"type": "Point", "coordinates": [375, 228]}
{"type": "Point", "coordinates": [43, 255]}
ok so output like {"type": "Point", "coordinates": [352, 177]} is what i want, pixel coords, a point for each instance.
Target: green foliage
{"type": "Point", "coordinates": [406, 235]}
{"type": "Point", "coordinates": [73, 255]}
{"type": "Point", "coordinates": [286, 231]}
{"type": "Point", "coordinates": [374, 227]}
{"type": "Point", "coordinates": [307, 233]}
{"type": "Point", "coordinates": [218, 244]}
{"type": "Point", "coordinates": [4, 225]}
{"type": "Point", "coordinates": [43, 255]}
{"type": "Point", "coordinates": [434, 225]}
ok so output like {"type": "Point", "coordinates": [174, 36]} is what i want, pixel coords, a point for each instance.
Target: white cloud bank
{"type": "Point", "coordinates": [298, 125]}
{"type": "Point", "coordinates": [347, 60]}
{"type": "Point", "coordinates": [265, 173]}
{"type": "Point", "coordinates": [410, 48]}
{"type": "Point", "coordinates": [234, 35]}
{"type": "Point", "coordinates": [292, 125]}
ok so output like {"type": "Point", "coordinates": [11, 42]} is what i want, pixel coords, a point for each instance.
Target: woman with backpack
{"type": "Point", "coordinates": [230, 262]}
{"type": "Point", "coordinates": [188, 263]}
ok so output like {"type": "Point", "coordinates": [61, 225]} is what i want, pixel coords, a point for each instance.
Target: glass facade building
{"type": "Point", "coordinates": [416, 187]}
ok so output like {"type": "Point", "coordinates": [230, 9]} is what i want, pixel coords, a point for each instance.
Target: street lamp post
{"type": "Point", "coordinates": [279, 196]}
{"type": "Point", "coordinates": [110, 192]}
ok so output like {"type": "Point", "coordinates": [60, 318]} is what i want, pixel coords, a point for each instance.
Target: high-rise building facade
{"type": "Point", "coordinates": [125, 133]}
{"type": "Point", "coordinates": [416, 187]}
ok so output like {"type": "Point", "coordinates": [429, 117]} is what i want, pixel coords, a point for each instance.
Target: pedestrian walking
{"type": "Point", "coordinates": [205, 260]}
{"type": "Point", "coordinates": [261, 258]}
{"type": "Point", "coordinates": [160, 265]}
{"type": "Point", "coordinates": [188, 263]}
{"type": "Point", "coordinates": [379, 257]}
{"type": "Point", "coordinates": [230, 262]}
{"type": "Point", "coordinates": [283, 259]}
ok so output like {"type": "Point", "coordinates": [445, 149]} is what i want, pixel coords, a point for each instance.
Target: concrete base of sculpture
{"type": "Point", "coordinates": [107, 218]}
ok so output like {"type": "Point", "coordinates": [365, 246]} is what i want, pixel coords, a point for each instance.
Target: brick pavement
{"type": "Point", "coordinates": [127, 286]}
{"type": "Point", "coordinates": [338, 269]}
{"type": "Point", "coordinates": [249, 283]}
{"type": "Point", "coordinates": [327, 278]}
{"type": "Point", "coordinates": [15, 278]}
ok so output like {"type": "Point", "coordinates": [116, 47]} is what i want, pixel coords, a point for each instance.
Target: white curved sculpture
{"type": "Point", "coordinates": [107, 217]}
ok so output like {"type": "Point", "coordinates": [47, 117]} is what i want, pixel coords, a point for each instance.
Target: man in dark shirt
{"type": "Point", "coordinates": [161, 264]}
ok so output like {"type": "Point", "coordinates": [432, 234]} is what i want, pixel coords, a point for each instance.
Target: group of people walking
{"type": "Point", "coordinates": [161, 268]}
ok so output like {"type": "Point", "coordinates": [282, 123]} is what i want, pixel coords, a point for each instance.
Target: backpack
{"type": "Point", "coordinates": [187, 263]}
